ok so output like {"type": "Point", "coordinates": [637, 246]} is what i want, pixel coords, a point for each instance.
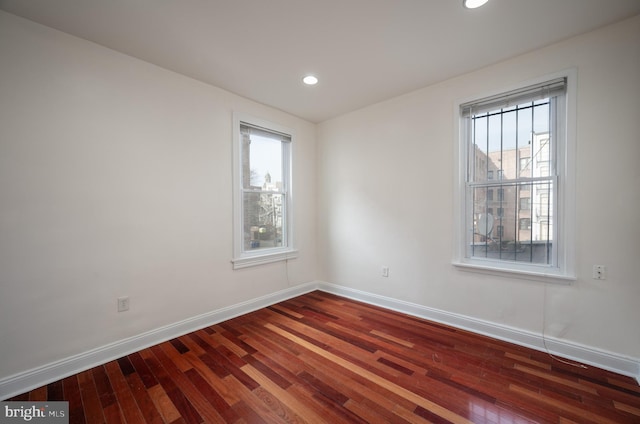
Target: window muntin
{"type": "Point", "coordinates": [262, 194]}
{"type": "Point", "coordinates": [520, 136]}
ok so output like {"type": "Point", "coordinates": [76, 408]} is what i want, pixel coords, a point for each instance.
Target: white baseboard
{"type": "Point", "coordinates": [37, 377]}
{"type": "Point", "coordinates": [569, 350]}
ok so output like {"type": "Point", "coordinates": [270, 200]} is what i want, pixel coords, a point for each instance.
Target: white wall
{"type": "Point", "coordinates": [115, 179]}
{"type": "Point", "coordinates": [386, 198]}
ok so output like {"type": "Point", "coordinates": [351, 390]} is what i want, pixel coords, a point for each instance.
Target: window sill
{"type": "Point", "coordinates": [546, 277]}
{"type": "Point", "coordinates": [263, 258]}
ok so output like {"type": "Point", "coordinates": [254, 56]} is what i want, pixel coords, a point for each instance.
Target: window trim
{"type": "Point", "coordinates": [242, 258]}
{"type": "Point", "coordinates": [564, 270]}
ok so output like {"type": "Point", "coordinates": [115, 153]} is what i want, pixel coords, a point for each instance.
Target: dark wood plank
{"type": "Point", "coordinates": [124, 397]}
{"type": "Point", "coordinates": [163, 404]}
{"type": "Point", "coordinates": [54, 391]}
{"type": "Point", "coordinates": [72, 394]}
{"type": "Point", "coordinates": [191, 395]}
{"type": "Point", "coordinates": [39, 394]}
{"type": "Point", "coordinates": [170, 386]}
{"type": "Point", "coordinates": [216, 400]}
{"type": "Point", "coordinates": [103, 386]}
{"type": "Point", "coordinates": [144, 401]}
{"type": "Point", "coordinates": [113, 414]}
{"type": "Point", "coordinates": [90, 404]}
{"type": "Point", "coordinates": [143, 370]}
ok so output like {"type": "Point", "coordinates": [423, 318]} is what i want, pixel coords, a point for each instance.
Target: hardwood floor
{"type": "Point", "coordinates": [320, 358]}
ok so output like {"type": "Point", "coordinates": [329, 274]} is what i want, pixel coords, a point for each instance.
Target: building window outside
{"type": "Point", "coordinates": [521, 134]}
{"type": "Point", "coordinates": [262, 192]}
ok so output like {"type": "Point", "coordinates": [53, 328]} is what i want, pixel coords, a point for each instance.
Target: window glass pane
{"type": "Point", "coordinates": [542, 151]}
{"type": "Point", "coordinates": [525, 162]}
{"type": "Point", "coordinates": [478, 159]}
{"type": "Point", "coordinates": [494, 143]}
{"type": "Point", "coordinates": [541, 116]}
{"type": "Point", "coordinates": [521, 229]}
{"type": "Point", "coordinates": [525, 224]}
{"type": "Point", "coordinates": [263, 219]}
{"type": "Point", "coordinates": [510, 142]}
{"type": "Point", "coordinates": [262, 163]}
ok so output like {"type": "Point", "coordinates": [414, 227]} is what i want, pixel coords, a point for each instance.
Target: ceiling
{"type": "Point", "coordinates": [363, 51]}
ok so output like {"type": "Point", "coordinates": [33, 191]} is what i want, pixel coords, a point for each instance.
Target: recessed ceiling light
{"type": "Point", "coordinates": [472, 4]}
{"type": "Point", "coordinates": [310, 80]}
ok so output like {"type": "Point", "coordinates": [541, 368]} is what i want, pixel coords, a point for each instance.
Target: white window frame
{"type": "Point", "coordinates": [245, 258]}
{"type": "Point", "coordinates": [562, 270]}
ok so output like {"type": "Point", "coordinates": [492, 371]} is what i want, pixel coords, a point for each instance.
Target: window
{"type": "Point", "coordinates": [525, 135]}
{"type": "Point", "coordinates": [262, 192]}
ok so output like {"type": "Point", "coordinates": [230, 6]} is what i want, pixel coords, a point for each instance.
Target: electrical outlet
{"type": "Point", "coordinates": [599, 272]}
{"type": "Point", "coordinates": [123, 303]}
{"type": "Point", "coordinates": [385, 271]}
